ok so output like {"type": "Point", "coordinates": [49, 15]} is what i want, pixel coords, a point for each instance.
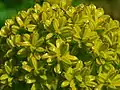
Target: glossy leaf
{"type": "Point", "coordinates": [3, 77]}
{"type": "Point", "coordinates": [68, 76]}
{"type": "Point", "coordinates": [26, 67]}
{"type": "Point", "coordinates": [57, 68]}
{"type": "Point", "coordinates": [44, 16]}
{"type": "Point", "coordinates": [19, 21]}
{"type": "Point", "coordinates": [65, 83]}
{"type": "Point", "coordinates": [24, 43]}
{"type": "Point", "coordinates": [33, 87]}
{"type": "Point", "coordinates": [34, 62]}
{"type": "Point", "coordinates": [56, 25]}
{"type": "Point", "coordinates": [31, 27]}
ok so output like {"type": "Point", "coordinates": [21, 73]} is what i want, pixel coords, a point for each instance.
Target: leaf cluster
{"type": "Point", "coordinates": [60, 47]}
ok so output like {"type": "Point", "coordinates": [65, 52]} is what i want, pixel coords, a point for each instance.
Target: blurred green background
{"type": "Point", "coordinates": [9, 8]}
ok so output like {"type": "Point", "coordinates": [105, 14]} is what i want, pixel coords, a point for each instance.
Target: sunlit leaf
{"type": "Point", "coordinates": [19, 21]}
{"type": "Point", "coordinates": [33, 87]}
{"type": "Point", "coordinates": [56, 25]}
{"type": "Point", "coordinates": [57, 68]}
{"type": "Point", "coordinates": [65, 83]}
{"type": "Point", "coordinates": [3, 77]}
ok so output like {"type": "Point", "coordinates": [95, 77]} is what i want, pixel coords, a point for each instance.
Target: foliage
{"type": "Point", "coordinates": [9, 9]}
{"type": "Point", "coordinates": [60, 47]}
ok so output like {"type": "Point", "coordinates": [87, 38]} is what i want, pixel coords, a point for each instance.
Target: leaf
{"type": "Point", "coordinates": [115, 83]}
{"type": "Point", "coordinates": [56, 25]}
{"type": "Point", "coordinates": [90, 78]}
{"type": "Point", "coordinates": [37, 56]}
{"type": "Point", "coordinates": [65, 83]}
{"type": "Point", "coordinates": [40, 42]}
{"type": "Point", "coordinates": [29, 81]}
{"type": "Point", "coordinates": [35, 16]}
{"type": "Point", "coordinates": [72, 85]}
{"type": "Point", "coordinates": [33, 87]}
{"type": "Point", "coordinates": [52, 47]}
{"type": "Point", "coordinates": [87, 33]}
{"type": "Point", "coordinates": [71, 57]}
{"type": "Point", "coordinates": [68, 76]}
{"type": "Point", "coordinates": [37, 7]}
{"type": "Point", "coordinates": [62, 21]}
{"type": "Point", "coordinates": [10, 79]}
{"type": "Point", "coordinates": [91, 84]}
{"type": "Point", "coordinates": [10, 42]}
{"type": "Point", "coordinates": [22, 51]}
{"type": "Point", "coordinates": [3, 77]}
{"type": "Point", "coordinates": [31, 27]}
{"type": "Point", "coordinates": [23, 14]}
{"type": "Point", "coordinates": [19, 21]}
{"type": "Point", "coordinates": [35, 38]}
{"type": "Point", "coordinates": [44, 77]}
{"type": "Point", "coordinates": [99, 12]}
{"type": "Point", "coordinates": [57, 68]}
{"type": "Point", "coordinates": [9, 53]}
{"type": "Point", "coordinates": [24, 43]}
{"type": "Point", "coordinates": [48, 23]}
{"type": "Point", "coordinates": [76, 18]}
{"type": "Point", "coordinates": [108, 39]}
{"type": "Point", "coordinates": [99, 87]}
{"type": "Point", "coordinates": [79, 78]}
{"type": "Point", "coordinates": [9, 22]}
{"type": "Point", "coordinates": [71, 11]}
{"type": "Point", "coordinates": [102, 77]}
{"type": "Point", "coordinates": [27, 67]}
{"type": "Point", "coordinates": [45, 56]}
{"type": "Point", "coordinates": [34, 62]}
{"type": "Point", "coordinates": [67, 61]}
{"type": "Point", "coordinates": [40, 49]}
{"type": "Point", "coordinates": [15, 29]}
{"type": "Point", "coordinates": [17, 38]}
{"type": "Point", "coordinates": [64, 49]}
{"type": "Point", "coordinates": [7, 69]}
{"type": "Point", "coordinates": [44, 16]}
{"type": "Point", "coordinates": [79, 65]}
{"type": "Point", "coordinates": [26, 37]}
{"type": "Point", "coordinates": [77, 31]}
{"type": "Point", "coordinates": [3, 32]}
{"type": "Point", "coordinates": [1, 71]}
{"type": "Point", "coordinates": [59, 42]}
{"type": "Point", "coordinates": [45, 5]}
{"type": "Point", "coordinates": [49, 35]}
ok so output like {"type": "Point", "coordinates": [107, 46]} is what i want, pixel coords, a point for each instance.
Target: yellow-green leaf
{"type": "Point", "coordinates": [10, 42]}
{"type": "Point", "coordinates": [65, 83]}
{"type": "Point", "coordinates": [40, 49]}
{"type": "Point", "coordinates": [33, 87]}
{"type": "Point", "coordinates": [56, 25]}
{"type": "Point", "coordinates": [31, 27]}
{"type": "Point", "coordinates": [35, 16]}
{"type": "Point", "coordinates": [19, 21]}
{"type": "Point", "coordinates": [21, 51]}
{"type": "Point", "coordinates": [3, 77]}
{"type": "Point", "coordinates": [57, 68]}
{"type": "Point", "coordinates": [34, 62]}
{"type": "Point", "coordinates": [26, 67]}
{"type": "Point", "coordinates": [49, 35]}
{"type": "Point", "coordinates": [24, 43]}
{"type": "Point", "coordinates": [44, 16]}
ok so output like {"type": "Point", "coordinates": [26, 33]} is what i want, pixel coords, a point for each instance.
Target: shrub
{"type": "Point", "coordinates": [59, 47]}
